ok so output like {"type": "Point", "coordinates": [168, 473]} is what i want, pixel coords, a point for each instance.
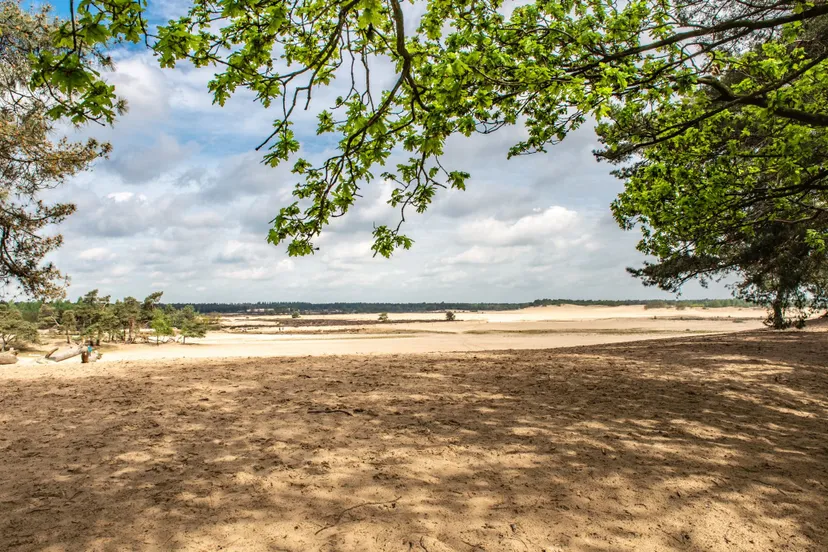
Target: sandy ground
{"type": "Point", "coordinates": [534, 328]}
{"type": "Point", "coordinates": [561, 312]}
{"type": "Point", "coordinates": [700, 443]}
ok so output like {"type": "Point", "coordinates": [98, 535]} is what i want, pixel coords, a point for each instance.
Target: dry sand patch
{"type": "Point", "coordinates": [701, 443]}
{"type": "Point", "coordinates": [541, 328]}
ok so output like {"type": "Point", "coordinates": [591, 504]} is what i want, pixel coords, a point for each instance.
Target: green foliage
{"type": "Point", "coordinates": [188, 322]}
{"type": "Point", "coordinates": [295, 314]}
{"type": "Point", "coordinates": [129, 314]}
{"type": "Point", "coordinates": [450, 317]}
{"type": "Point", "coordinates": [95, 317]}
{"type": "Point", "coordinates": [161, 325]}
{"type": "Point", "coordinates": [383, 317]}
{"type": "Point", "coordinates": [47, 317]}
{"type": "Point", "coordinates": [194, 327]}
{"type": "Point", "coordinates": [470, 67]}
{"type": "Point", "coordinates": [68, 323]}
{"type": "Point", "coordinates": [14, 330]}
{"type": "Point", "coordinates": [32, 158]}
{"type": "Point", "coordinates": [740, 189]}
{"type": "Point", "coordinates": [149, 306]}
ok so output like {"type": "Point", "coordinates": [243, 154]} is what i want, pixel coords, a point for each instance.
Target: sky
{"type": "Point", "coordinates": [183, 205]}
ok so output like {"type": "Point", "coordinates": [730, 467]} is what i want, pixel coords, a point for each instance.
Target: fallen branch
{"type": "Point", "coordinates": [346, 510]}
{"type": "Point", "coordinates": [330, 411]}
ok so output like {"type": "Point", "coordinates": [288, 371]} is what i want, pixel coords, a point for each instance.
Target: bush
{"type": "Point", "coordinates": [295, 314]}
{"type": "Point", "coordinates": [450, 316]}
{"type": "Point", "coordinates": [383, 317]}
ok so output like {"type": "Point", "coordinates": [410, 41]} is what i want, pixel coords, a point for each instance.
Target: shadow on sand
{"type": "Point", "coordinates": [706, 443]}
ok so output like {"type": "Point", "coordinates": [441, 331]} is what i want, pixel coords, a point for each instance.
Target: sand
{"type": "Point", "coordinates": [534, 328]}
{"type": "Point", "coordinates": [692, 443]}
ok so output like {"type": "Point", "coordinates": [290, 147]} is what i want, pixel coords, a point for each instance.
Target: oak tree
{"type": "Point", "coordinates": [460, 67]}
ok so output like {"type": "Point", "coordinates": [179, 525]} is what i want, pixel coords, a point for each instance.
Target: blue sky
{"type": "Point", "coordinates": [183, 205]}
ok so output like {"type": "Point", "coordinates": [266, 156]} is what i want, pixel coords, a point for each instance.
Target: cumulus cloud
{"type": "Point", "coordinates": [96, 254]}
{"type": "Point", "coordinates": [185, 203]}
{"type": "Point", "coordinates": [260, 272]}
{"type": "Point", "coordinates": [537, 227]}
{"type": "Point", "coordinates": [138, 165]}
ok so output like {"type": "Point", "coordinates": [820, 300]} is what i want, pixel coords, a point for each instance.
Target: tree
{"type": "Point", "coordinates": [107, 324]}
{"type": "Point", "coordinates": [31, 159]}
{"type": "Point", "coordinates": [464, 67]}
{"type": "Point", "coordinates": [47, 317]}
{"type": "Point", "coordinates": [181, 316]}
{"type": "Point", "coordinates": [161, 325]}
{"type": "Point", "coordinates": [68, 323]}
{"type": "Point", "coordinates": [743, 192]}
{"type": "Point", "coordinates": [195, 326]}
{"type": "Point", "coordinates": [14, 329]}
{"type": "Point", "coordinates": [93, 315]}
{"type": "Point", "coordinates": [773, 266]}
{"type": "Point", "coordinates": [295, 314]}
{"type": "Point", "coordinates": [130, 313]}
{"type": "Point", "coordinates": [149, 306]}
{"type": "Point", "coordinates": [450, 317]}
{"type": "Point", "coordinates": [383, 317]}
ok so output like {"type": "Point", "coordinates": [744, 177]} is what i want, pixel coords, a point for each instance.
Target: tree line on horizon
{"type": "Point", "coordinates": [344, 307]}
{"type": "Point", "coordinates": [714, 114]}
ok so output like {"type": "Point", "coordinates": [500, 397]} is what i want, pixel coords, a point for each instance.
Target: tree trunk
{"type": "Point", "coordinates": [66, 354]}
{"type": "Point", "coordinates": [778, 319]}
{"type": "Point", "coordinates": [131, 329]}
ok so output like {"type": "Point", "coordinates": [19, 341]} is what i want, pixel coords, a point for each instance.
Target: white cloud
{"type": "Point", "coordinates": [530, 229]}
{"type": "Point", "coordinates": [260, 272]}
{"type": "Point", "coordinates": [185, 204]}
{"type": "Point", "coordinates": [96, 254]}
{"type": "Point", "coordinates": [488, 255]}
{"type": "Point", "coordinates": [120, 270]}
{"type": "Point", "coordinates": [120, 197]}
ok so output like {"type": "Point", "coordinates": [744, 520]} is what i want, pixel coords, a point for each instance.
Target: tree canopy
{"type": "Point", "coordinates": [14, 330]}
{"type": "Point", "coordinates": [715, 110]}
{"type": "Point", "coordinates": [743, 189]}
{"type": "Point", "coordinates": [31, 158]}
{"type": "Point", "coordinates": [463, 67]}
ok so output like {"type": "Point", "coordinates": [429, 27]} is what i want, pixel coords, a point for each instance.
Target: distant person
{"type": "Point", "coordinates": [86, 356]}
